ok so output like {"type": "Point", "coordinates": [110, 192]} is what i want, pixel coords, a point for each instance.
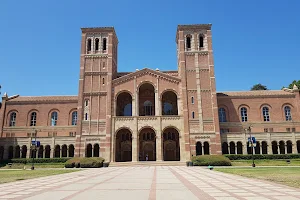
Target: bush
{"type": "Point", "coordinates": [36, 160]}
{"type": "Point", "coordinates": [213, 160]}
{"type": "Point", "coordinates": [263, 156]}
{"type": "Point", "coordinates": [94, 162]}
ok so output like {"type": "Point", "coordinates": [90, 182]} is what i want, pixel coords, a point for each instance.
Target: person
{"type": "Point", "coordinates": [146, 157]}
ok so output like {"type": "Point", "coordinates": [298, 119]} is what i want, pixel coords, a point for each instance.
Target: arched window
{"type": "Point", "coordinates": [222, 115]}
{"type": "Point", "coordinates": [89, 45]}
{"type": "Point", "coordinates": [206, 148]}
{"type": "Point", "coordinates": [266, 114]}
{"type": "Point", "coordinates": [225, 148]}
{"type": "Point", "coordinates": [103, 81]}
{"type": "Point", "coordinates": [244, 115]}
{"type": "Point", "coordinates": [86, 116]}
{"type": "Point", "coordinates": [86, 102]}
{"type": "Point", "coordinates": [167, 109]}
{"type": "Point", "coordinates": [33, 119]}
{"type": "Point", "coordinates": [97, 44]}
{"type": "Point", "coordinates": [12, 119]}
{"type": "Point", "coordinates": [198, 148]}
{"type": "Point", "coordinates": [192, 100]}
{"type": "Point", "coordinates": [193, 115]}
{"type": "Point", "coordinates": [201, 41]}
{"type": "Point", "coordinates": [104, 44]}
{"type": "Point", "coordinates": [53, 121]}
{"type": "Point", "coordinates": [287, 113]}
{"type": "Point", "coordinates": [148, 108]}
{"type": "Point", "coordinates": [188, 42]}
{"type": "Point", "coordinates": [74, 118]}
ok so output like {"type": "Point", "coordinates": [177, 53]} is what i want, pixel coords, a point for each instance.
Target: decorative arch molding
{"type": "Point", "coordinates": [123, 91]}
{"type": "Point", "coordinates": [147, 127]}
{"type": "Point", "coordinates": [121, 128]}
{"type": "Point", "coordinates": [243, 105]}
{"type": "Point", "coordinates": [169, 90]}
{"type": "Point", "coordinates": [145, 82]}
{"type": "Point", "coordinates": [286, 104]}
{"type": "Point", "coordinates": [265, 105]}
{"type": "Point", "coordinates": [174, 127]}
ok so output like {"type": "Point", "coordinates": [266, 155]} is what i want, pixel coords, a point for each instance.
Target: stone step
{"type": "Point", "coordinates": [147, 163]}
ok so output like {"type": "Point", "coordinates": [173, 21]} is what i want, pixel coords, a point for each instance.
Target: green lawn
{"type": "Point", "coordinates": [36, 165]}
{"type": "Point", "coordinates": [285, 175]}
{"type": "Point", "coordinates": [16, 175]}
{"type": "Point", "coordinates": [294, 162]}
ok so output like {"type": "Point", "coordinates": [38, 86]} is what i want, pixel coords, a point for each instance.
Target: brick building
{"type": "Point", "coordinates": [153, 114]}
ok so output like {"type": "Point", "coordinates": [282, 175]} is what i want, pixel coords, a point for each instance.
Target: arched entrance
{"type": "Point", "coordinates": [171, 147]}
{"type": "Point", "coordinates": [89, 150]}
{"type": "Point", "coordinates": [257, 148]}
{"type": "Point", "coordinates": [123, 146]}
{"type": "Point", "coordinates": [10, 152]}
{"type": "Point", "coordinates": [124, 104]}
{"type": "Point", "coordinates": [1, 152]}
{"type": "Point", "coordinates": [24, 151]}
{"type": "Point", "coordinates": [274, 147]}
{"type": "Point", "coordinates": [71, 150]}
{"type": "Point", "coordinates": [96, 150]}
{"type": "Point", "coordinates": [17, 151]}
{"type": "Point", "coordinates": [169, 103]}
{"type": "Point", "coordinates": [232, 147]}
{"type": "Point", "coordinates": [199, 148]}
{"type": "Point", "coordinates": [47, 151]}
{"type": "Point", "coordinates": [239, 148]}
{"type": "Point", "coordinates": [147, 145]}
{"type": "Point", "coordinates": [264, 147]}
{"type": "Point", "coordinates": [64, 151]}
{"type": "Point", "coordinates": [146, 100]}
{"type": "Point", "coordinates": [40, 151]}
{"type": "Point", "coordinates": [282, 147]}
{"type": "Point", "coordinates": [289, 147]}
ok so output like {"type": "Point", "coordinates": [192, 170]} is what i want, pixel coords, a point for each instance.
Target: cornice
{"type": "Point", "coordinates": [258, 124]}
{"type": "Point", "coordinates": [143, 72]}
{"type": "Point", "coordinates": [99, 93]}
{"type": "Point", "coordinates": [95, 73]}
{"type": "Point", "coordinates": [96, 55]}
{"type": "Point", "coordinates": [38, 128]}
{"type": "Point", "coordinates": [40, 102]}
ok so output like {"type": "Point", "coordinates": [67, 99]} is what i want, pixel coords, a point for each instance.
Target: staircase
{"type": "Point", "coordinates": [147, 163]}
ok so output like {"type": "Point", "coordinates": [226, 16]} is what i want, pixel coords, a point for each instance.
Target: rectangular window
{"type": "Point", "coordinates": [7, 134]}
{"type": "Point", "coordinates": [12, 134]}
{"type": "Point", "coordinates": [293, 129]}
{"type": "Point", "coordinates": [288, 129]}
{"type": "Point", "coordinates": [271, 130]}
{"type": "Point", "coordinates": [193, 115]}
{"type": "Point", "coordinates": [71, 134]}
{"type": "Point", "coordinates": [222, 130]}
{"type": "Point", "coordinates": [266, 130]}
{"type": "Point", "coordinates": [192, 100]}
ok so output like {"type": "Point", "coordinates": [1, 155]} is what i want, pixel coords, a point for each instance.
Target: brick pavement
{"type": "Point", "coordinates": [160, 182]}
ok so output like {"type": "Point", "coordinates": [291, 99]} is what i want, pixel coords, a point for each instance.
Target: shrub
{"type": "Point", "coordinates": [263, 156]}
{"type": "Point", "coordinates": [213, 160]}
{"type": "Point", "coordinates": [36, 160]}
{"type": "Point", "coordinates": [94, 162]}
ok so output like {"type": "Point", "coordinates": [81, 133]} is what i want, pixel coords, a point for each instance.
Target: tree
{"type": "Point", "coordinates": [259, 87]}
{"type": "Point", "coordinates": [297, 83]}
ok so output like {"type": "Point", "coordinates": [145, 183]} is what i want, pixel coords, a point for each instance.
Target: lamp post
{"type": "Point", "coordinates": [251, 144]}
{"type": "Point", "coordinates": [33, 146]}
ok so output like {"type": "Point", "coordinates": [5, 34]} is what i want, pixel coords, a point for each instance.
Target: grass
{"type": "Point", "coordinates": [36, 165]}
{"type": "Point", "coordinates": [284, 175]}
{"type": "Point", "coordinates": [16, 175]}
{"type": "Point", "coordinates": [294, 162]}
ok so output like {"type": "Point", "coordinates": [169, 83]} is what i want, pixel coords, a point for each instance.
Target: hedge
{"type": "Point", "coordinates": [93, 162]}
{"type": "Point", "coordinates": [213, 160]}
{"type": "Point", "coordinates": [262, 156]}
{"type": "Point", "coordinates": [36, 160]}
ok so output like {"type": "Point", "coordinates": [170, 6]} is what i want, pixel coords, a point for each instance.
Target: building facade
{"type": "Point", "coordinates": [149, 114]}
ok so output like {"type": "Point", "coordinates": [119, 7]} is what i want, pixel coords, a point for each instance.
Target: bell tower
{"type": "Point", "coordinates": [98, 67]}
{"type": "Point", "coordinates": [198, 88]}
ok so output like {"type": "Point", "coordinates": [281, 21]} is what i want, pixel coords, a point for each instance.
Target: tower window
{"type": "Point", "coordinates": [103, 65]}
{"type": "Point", "coordinates": [201, 41]}
{"type": "Point", "coordinates": [86, 102]}
{"type": "Point", "coordinates": [53, 119]}
{"type": "Point", "coordinates": [33, 119]}
{"type": "Point", "coordinates": [86, 116]}
{"type": "Point", "coordinates": [104, 44]}
{"type": "Point", "coordinates": [287, 112]}
{"type": "Point", "coordinates": [103, 81]}
{"type": "Point", "coordinates": [193, 115]}
{"type": "Point", "coordinates": [97, 44]}
{"type": "Point", "coordinates": [192, 100]}
{"type": "Point", "coordinates": [188, 42]}
{"type": "Point", "coordinates": [222, 115]}
{"type": "Point", "coordinates": [74, 118]}
{"type": "Point", "coordinates": [12, 120]}
{"type": "Point", "coordinates": [266, 114]}
{"type": "Point", "coordinates": [89, 45]}
{"type": "Point", "coordinates": [244, 114]}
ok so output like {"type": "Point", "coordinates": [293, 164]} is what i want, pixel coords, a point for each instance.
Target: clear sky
{"type": "Point", "coordinates": [255, 41]}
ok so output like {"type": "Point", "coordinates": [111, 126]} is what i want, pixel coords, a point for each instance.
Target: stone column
{"type": "Point", "coordinates": [269, 143]}
{"type": "Point", "coordinates": [44, 151]}
{"type": "Point", "coordinates": [294, 143]}
{"type": "Point", "coordinates": [134, 96]}
{"type": "Point", "coordinates": [67, 152]}
{"type": "Point", "coordinates": [134, 142]}
{"type": "Point", "coordinates": [51, 152]}
{"type": "Point", "coordinates": [158, 145]}
{"type": "Point", "coordinates": [156, 103]}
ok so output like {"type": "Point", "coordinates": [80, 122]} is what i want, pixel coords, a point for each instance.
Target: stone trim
{"type": "Point", "coordinates": [99, 93]}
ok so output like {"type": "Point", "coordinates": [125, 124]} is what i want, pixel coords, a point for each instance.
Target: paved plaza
{"type": "Point", "coordinates": [160, 182]}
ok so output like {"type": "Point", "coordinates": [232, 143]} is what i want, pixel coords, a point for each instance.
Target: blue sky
{"type": "Point", "coordinates": [254, 41]}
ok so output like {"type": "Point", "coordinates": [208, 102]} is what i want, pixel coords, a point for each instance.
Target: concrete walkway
{"type": "Point", "coordinates": [139, 183]}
